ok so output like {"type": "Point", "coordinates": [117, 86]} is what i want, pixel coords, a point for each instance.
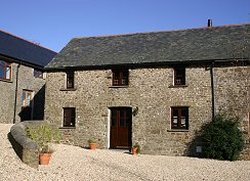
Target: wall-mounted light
{"type": "Point", "coordinates": [135, 111]}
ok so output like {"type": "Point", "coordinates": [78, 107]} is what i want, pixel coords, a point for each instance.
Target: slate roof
{"type": "Point", "coordinates": [191, 45]}
{"type": "Point", "coordinates": [24, 51]}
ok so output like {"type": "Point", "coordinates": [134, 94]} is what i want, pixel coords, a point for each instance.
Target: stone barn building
{"type": "Point", "coordinates": [21, 78]}
{"type": "Point", "coordinates": [154, 88]}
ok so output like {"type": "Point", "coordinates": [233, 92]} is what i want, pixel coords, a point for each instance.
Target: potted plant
{"type": "Point", "coordinates": [92, 144]}
{"type": "Point", "coordinates": [43, 134]}
{"type": "Point", "coordinates": [136, 149]}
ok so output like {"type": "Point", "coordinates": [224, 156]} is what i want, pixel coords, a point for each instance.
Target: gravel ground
{"type": "Point", "coordinates": [74, 163]}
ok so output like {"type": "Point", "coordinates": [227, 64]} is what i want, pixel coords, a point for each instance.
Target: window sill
{"type": "Point", "coordinates": [69, 127]}
{"type": "Point", "coordinates": [6, 80]}
{"type": "Point", "coordinates": [71, 89]}
{"type": "Point", "coordinates": [178, 86]}
{"type": "Point", "coordinates": [178, 130]}
{"type": "Point", "coordinates": [119, 86]}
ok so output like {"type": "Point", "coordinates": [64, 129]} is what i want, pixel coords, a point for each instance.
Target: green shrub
{"type": "Point", "coordinates": [222, 138]}
{"type": "Point", "coordinates": [92, 140]}
{"type": "Point", "coordinates": [43, 134]}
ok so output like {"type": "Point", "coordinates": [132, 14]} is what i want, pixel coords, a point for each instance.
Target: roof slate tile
{"type": "Point", "coordinates": [214, 43]}
{"type": "Point", "coordinates": [24, 51]}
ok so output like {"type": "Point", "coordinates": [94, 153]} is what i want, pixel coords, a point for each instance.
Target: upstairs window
{"type": "Point", "coordinates": [5, 69]}
{"type": "Point", "coordinates": [70, 80]}
{"type": "Point", "coordinates": [179, 76]}
{"type": "Point", "coordinates": [69, 117]}
{"type": "Point", "coordinates": [38, 73]}
{"type": "Point", "coordinates": [179, 117]}
{"type": "Point", "coordinates": [120, 77]}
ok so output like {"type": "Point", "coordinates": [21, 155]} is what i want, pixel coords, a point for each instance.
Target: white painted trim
{"type": "Point", "coordinates": [65, 80]}
{"type": "Point", "coordinates": [108, 128]}
{"type": "Point", "coordinates": [170, 117]}
{"type": "Point", "coordinates": [62, 111]}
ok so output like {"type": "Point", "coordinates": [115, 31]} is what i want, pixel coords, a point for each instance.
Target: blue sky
{"type": "Point", "coordinates": [52, 23]}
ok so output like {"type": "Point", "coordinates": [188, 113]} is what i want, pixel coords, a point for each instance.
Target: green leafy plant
{"type": "Point", "coordinates": [136, 145]}
{"type": "Point", "coordinates": [43, 135]}
{"type": "Point", "coordinates": [91, 140]}
{"type": "Point", "coordinates": [222, 139]}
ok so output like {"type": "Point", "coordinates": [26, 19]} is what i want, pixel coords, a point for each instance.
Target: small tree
{"type": "Point", "coordinates": [222, 139]}
{"type": "Point", "coordinates": [43, 134]}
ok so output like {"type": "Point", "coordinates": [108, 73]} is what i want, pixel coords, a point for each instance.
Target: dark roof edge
{"type": "Point", "coordinates": [28, 41]}
{"type": "Point", "coordinates": [148, 64]}
{"type": "Point", "coordinates": [21, 62]}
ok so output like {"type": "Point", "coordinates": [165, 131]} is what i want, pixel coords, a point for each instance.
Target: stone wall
{"type": "Point", "coordinates": [149, 89]}
{"type": "Point", "coordinates": [25, 148]}
{"type": "Point", "coordinates": [26, 81]}
{"type": "Point", "coordinates": [232, 92]}
{"type": "Point", "coordinates": [7, 94]}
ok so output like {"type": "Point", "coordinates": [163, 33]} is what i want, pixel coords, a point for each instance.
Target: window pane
{"type": "Point", "coordinates": [120, 77]}
{"type": "Point", "coordinates": [124, 81]}
{"type": "Point", "coordinates": [26, 98]}
{"type": "Point", "coordinates": [69, 117]}
{"type": "Point", "coordinates": [183, 121]}
{"type": "Point", "coordinates": [7, 72]}
{"type": "Point", "coordinates": [4, 70]}
{"type": "Point", "coordinates": [70, 79]}
{"type": "Point", "coordinates": [179, 118]}
{"type": "Point", "coordinates": [2, 74]}
{"type": "Point", "coordinates": [38, 73]}
{"type": "Point", "coordinates": [175, 119]}
{"type": "Point", "coordinates": [179, 78]}
{"type": "Point", "coordinates": [2, 63]}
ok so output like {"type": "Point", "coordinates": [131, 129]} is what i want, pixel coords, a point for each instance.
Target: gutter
{"type": "Point", "coordinates": [15, 96]}
{"type": "Point", "coordinates": [212, 89]}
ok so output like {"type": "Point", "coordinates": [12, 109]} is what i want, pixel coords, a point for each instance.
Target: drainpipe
{"type": "Point", "coordinates": [15, 97]}
{"type": "Point", "coordinates": [212, 89]}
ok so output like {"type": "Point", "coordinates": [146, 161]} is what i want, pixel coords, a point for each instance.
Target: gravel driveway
{"type": "Point", "coordinates": [74, 163]}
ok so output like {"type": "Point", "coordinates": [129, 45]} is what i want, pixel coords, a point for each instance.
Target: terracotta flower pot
{"type": "Point", "coordinates": [92, 146]}
{"type": "Point", "coordinates": [134, 151]}
{"type": "Point", "coordinates": [44, 158]}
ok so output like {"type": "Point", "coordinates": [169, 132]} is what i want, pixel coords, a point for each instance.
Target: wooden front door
{"type": "Point", "coordinates": [121, 127]}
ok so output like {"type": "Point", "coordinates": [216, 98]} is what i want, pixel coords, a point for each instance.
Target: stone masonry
{"type": "Point", "coordinates": [150, 89]}
{"type": "Point", "coordinates": [26, 81]}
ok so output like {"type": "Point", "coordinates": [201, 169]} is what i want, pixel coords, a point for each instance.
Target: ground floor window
{"type": "Point", "coordinates": [179, 117]}
{"type": "Point", "coordinates": [27, 97]}
{"type": "Point", "coordinates": [27, 105]}
{"type": "Point", "coordinates": [69, 117]}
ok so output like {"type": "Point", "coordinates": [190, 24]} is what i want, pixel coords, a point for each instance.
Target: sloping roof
{"type": "Point", "coordinates": [216, 43]}
{"type": "Point", "coordinates": [24, 51]}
